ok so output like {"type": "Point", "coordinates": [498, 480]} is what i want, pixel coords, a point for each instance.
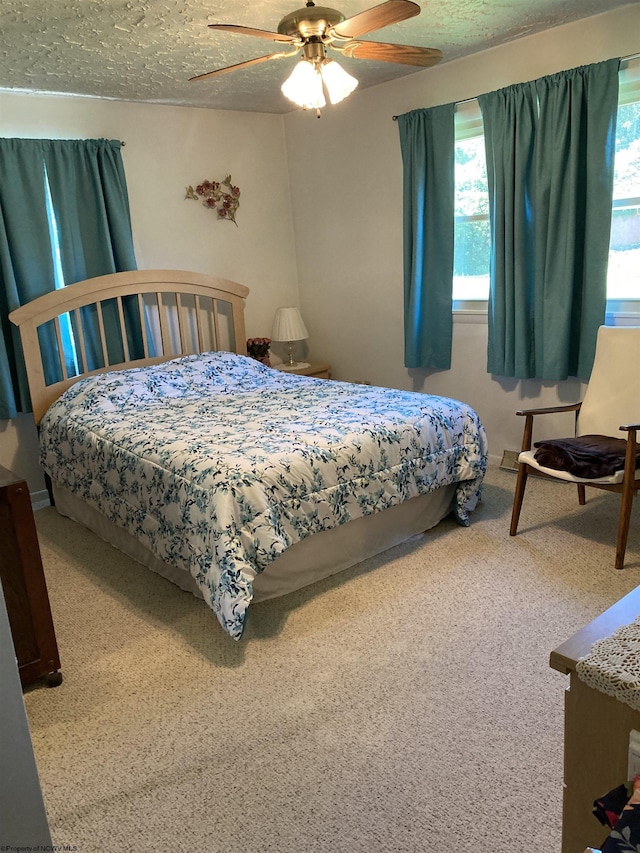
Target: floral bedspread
{"type": "Point", "coordinates": [218, 463]}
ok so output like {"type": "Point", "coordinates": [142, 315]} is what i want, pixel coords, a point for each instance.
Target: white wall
{"type": "Point", "coordinates": [346, 180]}
{"type": "Point", "coordinates": [168, 148]}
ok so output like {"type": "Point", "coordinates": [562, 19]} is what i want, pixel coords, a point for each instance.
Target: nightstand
{"type": "Point", "coordinates": [320, 371]}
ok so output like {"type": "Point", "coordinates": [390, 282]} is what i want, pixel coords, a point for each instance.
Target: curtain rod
{"type": "Point", "coordinates": [466, 100]}
{"type": "Point", "coordinates": [463, 101]}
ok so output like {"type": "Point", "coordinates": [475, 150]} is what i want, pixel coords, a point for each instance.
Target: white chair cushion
{"type": "Point", "coordinates": [528, 457]}
{"type": "Point", "coordinates": [612, 394]}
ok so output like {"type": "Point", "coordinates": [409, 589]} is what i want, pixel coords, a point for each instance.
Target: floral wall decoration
{"type": "Point", "coordinates": [221, 196]}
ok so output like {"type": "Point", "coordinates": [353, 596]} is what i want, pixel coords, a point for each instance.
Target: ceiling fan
{"type": "Point", "coordinates": [313, 30]}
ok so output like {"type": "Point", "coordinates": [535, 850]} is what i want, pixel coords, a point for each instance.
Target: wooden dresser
{"type": "Point", "coordinates": [24, 585]}
{"type": "Point", "coordinates": [596, 731]}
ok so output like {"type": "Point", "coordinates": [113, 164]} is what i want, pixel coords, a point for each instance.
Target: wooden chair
{"type": "Point", "coordinates": [611, 404]}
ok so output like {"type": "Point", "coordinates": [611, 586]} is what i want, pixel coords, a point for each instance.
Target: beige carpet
{"type": "Point", "coordinates": [404, 705]}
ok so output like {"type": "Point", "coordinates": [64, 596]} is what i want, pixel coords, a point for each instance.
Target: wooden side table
{"type": "Point", "coordinates": [319, 370]}
{"type": "Point", "coordinates": [24, 586]}
{"type": "Point", "coordinates": [596, 730]}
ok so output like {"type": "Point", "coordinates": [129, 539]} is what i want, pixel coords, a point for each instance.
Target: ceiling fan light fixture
{"type": "Point", "coordinates": [339, 83]}
{"type": "Point", "coordinates": [315, 29]}
{"type": "Point", "coordinates": [304, 86]}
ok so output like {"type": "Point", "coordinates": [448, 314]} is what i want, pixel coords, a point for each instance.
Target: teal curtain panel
{"type": "Point", "coordinates": [64, 217]}
{"type": "Point", "coordinates": [550, 150]}
{"type": "Point", "coordinates": [427, 142]}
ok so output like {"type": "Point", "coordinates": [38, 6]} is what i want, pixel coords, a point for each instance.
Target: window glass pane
{"type": "Point", "coordinates": [472, 241]}
{"type": "Point", "coordinates": [623, 280]}
{"type": "Point", "coordinates": [471, 260]}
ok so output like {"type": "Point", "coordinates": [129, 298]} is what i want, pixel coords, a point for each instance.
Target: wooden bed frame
{"type": "Point", "coordinates": [186, 308]}
{"type": "Point", "coordinates": [190, 313]}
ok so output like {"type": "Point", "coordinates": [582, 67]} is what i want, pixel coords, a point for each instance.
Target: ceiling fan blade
{"type": "Point", "coordinates": [245, 64]}
{"type": "Point", "coordinates": [403, 54]}
{"type": "Point", "coordinates": [250, 31]}
{"type": "Point", "coordinates": [391, 12]}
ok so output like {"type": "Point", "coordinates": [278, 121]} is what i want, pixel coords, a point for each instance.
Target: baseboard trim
{"type": "Point", "coordinates": [40, 500]}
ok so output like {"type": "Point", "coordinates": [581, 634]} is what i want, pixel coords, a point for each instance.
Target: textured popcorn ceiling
{"type": "Point", "coordinates": [146, 50]}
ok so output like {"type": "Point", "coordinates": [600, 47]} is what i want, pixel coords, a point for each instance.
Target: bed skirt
{"type": "Point", "coordinates": [316, 557]}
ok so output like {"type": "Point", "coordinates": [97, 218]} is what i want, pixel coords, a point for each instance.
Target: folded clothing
{"type": "Point", "coordinates": [620, 810]}
{"type": "Point", "coordinates": [608, 808]}
{"type": "Point", "coordinates": [587, 456]}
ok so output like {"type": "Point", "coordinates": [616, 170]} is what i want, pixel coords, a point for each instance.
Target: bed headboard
{"type": "Point", "coordinates": [127, 319]}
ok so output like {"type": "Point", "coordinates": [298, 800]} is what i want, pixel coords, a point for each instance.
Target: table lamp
{"type": "Point", "coordinates": [289, 327]}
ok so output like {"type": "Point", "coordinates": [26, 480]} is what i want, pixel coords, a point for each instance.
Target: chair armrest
{"type": "Point", "coordinates": [629, 427]}
{"type": "Point", "coordinates": [551, 410]}
{"type": "Point", "coordinates": [527, 435]}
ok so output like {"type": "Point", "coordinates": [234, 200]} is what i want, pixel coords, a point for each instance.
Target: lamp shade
{"type": "Point", "coordinates": [339, 84]}
{"type": "Point", "coordinates": [304, 86]}
{"type": "Point", "coordinates": [289, 326]}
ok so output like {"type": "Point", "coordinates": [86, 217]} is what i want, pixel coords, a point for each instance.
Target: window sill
{"type": "Point", "coordinates": [622, 318]}
{"type": "Point", "coordinates": [469, 315]}
{"type": "Point", "coordinates": [612, 317]}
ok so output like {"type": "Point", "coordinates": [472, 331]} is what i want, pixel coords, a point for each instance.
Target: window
{"type": "Point", "coordinates": [472, 239]}
{"type": "Point", "coordinates": [623, 279]}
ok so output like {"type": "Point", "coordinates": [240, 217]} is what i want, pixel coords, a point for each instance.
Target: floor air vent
{"type": "Point", "coordinates": [510, 460]}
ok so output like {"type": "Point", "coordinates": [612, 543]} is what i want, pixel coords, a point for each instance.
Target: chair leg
{"type": "Point", "coordinates": [521, 483]}
{"type": "Point", "coordinates": [623, 525]}
{"type": "Point", "coordinates": [582, 498]}
{"type": "Point", "coordinates": [629, 489]}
